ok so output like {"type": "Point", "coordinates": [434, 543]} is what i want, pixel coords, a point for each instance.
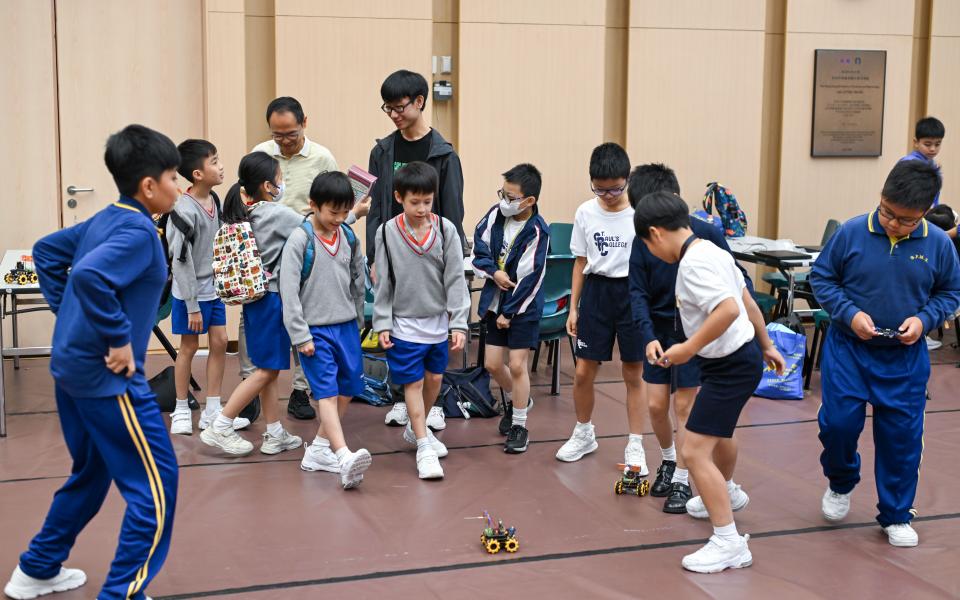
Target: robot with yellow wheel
{"type": "Point", "coordinates": [630, 481]}
{"type": "Point", "coordinates": [496, 537]}
{"type": "Point", "coordinates": [20, 275]}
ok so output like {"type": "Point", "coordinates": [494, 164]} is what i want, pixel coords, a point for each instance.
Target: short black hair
{"type": "Point", "coordinates": [332, 187]}
{"type": "Point", "coordinates": [192, 154]}
{"type": "Point", "coordinates": [609, 161]}
{"type": "Point", "coordinates": [660, 209]}
{"type": "Point", "coordinates": [136, 152]}
{"type": "Point", "coordinates": [404, 84]}
{"type": "Point", "coordinates": [942, 216]}
{"type": "Point", "coordinates": [650, 178]}
{"type": "Point", "coordinates": [912, 184]}
{"type": "Point", "coordinates": [255, 169]}
{"type": "Point", "coordinates": [416, 177]}
{"type": "Point", "coordinates": [286, 104]}
{"type": "Point", "coordinates": [527, 177]}
{"type": "Point", "coordinates": [929, 127]}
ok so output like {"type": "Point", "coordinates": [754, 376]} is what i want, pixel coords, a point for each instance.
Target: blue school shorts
{"type": "Point", "coordinates": [336, 367]}
{"type": "Point", "coordinates": [522, 334]}
{"type": "Point", "coordinates": [687, 375]}
{"type": "Point", "coordinates": [409, 360]}
{"type": "Point", "coordinates": [605, 316]}
{"type": "Point", "coordinates": [726, 384]}
{"type": "Point", "coordinates": [214, 314]}
{"type": "Point", "coordinates": [268, 343]}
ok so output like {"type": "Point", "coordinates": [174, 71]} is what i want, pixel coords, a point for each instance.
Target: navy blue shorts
{"type": "Point", "coordinates": [268, 343]}
{"type": "Point", "coordinates": [409, 360]}
{"type": "Point", "coordinates": [214, 314]}
{"type": "Point", "coordinates": [605, 316]}
{"type": "Point", "coordinates": [687, 375]}
{"type": "Point", "coordinates": [336, 367]}
{"type": "Point", "coordinates": [725, 386]}
{"type": "Point", "coordinates": [520, 335]}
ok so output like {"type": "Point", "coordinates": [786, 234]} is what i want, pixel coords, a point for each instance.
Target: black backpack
{"type": "Point", "coordinates": [189, 235]}
{"type": "Point", "coordinates": [466, 394]}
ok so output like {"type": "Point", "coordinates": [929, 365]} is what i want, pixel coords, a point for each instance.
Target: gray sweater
{"type": "Point", "coordinates": [193, 279]}
{"type": "Point", "coordinates": [332, 293]}
{"type": "Point", "coordinates": [272, 224]}
{"type": "Point", "coordinates": [427, 285]}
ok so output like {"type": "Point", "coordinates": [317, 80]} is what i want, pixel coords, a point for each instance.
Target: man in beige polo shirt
{"type": "Point", "coordinates": [301, 160]}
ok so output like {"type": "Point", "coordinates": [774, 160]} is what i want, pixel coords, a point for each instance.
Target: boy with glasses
{"type": "Point", "coordinates": [905, 273]}
{"type": "Point", "coordinates": [600, 311]}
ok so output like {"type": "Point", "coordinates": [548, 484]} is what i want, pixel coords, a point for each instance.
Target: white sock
{"type": "Point", "coordinates": [727, 533]}
{"type": "Point", "coordinates": [635, 437]}
{"type": "Point", "coordinates": [423, 443]}
{"type": "Point", "coordinates": [182, 405]}
{"type": "Point", "coordinates": [731, 487]}
{"type": "Point", "coordinates": [321, 442]}
{"type": "Point", "coordinates": [275, 429]}
{"type": "Point", "coordinates": [669, 453]}
{"type": "Point", "coordinates": [213, 405]}
{"type": "Point", "coordinates": [520, 416]}
{"type": "Point", "coordinates": [680, 476]}
{"type": "Point", "coordinates": [342, 452]}
{"type": "Point", "coordinates": [588, 426]}
{"type": "Point", "coordinates": [222, 424]}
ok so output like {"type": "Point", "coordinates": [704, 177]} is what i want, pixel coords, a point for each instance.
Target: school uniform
{"type": "Point", "coordinates": [326, 307]}
{"type": "Point", "coordinates": [518, 248]}
{"type": "Point", "coordinates": [103, 279]}
{"type": "Point", "coordinates": [604, 315]}
{"type": "Point", "coordinates": [424, 300]}
{"type": "Point", "coordinates": [732, 364]}
{"type": "Point", "coordinates": [653, 301]}
{"type": "Point", "coordinates": [862, 269]}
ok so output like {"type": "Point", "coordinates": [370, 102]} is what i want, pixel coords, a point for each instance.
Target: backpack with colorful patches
{"type": "Point", "coordinates": [731, 216]}
{"type": "Point", "coordinates": [238, 274]}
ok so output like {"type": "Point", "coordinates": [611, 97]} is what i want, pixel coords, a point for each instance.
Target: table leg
{"type": "Point", "coordinates": [16, 338]}
{"type": "Point", "coordinates": [791, 283]}
{"type": "Point", "coordinates": [3, 383]}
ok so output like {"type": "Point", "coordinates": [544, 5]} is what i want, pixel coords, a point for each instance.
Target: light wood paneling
{"type": "Point", "coordinates": [869, 17]}
{"type": "Point", "coordinates": [225, 84]}
{"type": "Point", "coordinates": [534, 12]}
{"type": "Point", "coordinates": [739, 15]}
{"type": "Point", "coordinates": [943, 90]}
{"type": "Point", "coordinates": [260, 49]}
{"type": "Point", "coordinates": [368, 9]}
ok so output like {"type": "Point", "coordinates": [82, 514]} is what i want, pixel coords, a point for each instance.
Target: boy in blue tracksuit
{"type": "Point", "coordinates": [891, 263]}
{"type": "Point", "coordinates": [510, 250]}
{"type": "Point", "coordinates": [103, 279]}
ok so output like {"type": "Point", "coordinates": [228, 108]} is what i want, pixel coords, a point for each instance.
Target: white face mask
{"type": "Point", "coordinates": [280, 189]}
{"type": "Point", "coordinates": [510, 209]}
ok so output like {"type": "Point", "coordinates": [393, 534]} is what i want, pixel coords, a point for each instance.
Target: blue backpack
{"type": "Point", "coordinates": [309, 255]}
{"type": "Point", "coordinates": [733, 219]}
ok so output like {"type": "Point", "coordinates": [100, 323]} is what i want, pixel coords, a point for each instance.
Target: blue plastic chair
{"type": "Point", "coordinates": [560, 238]}
{"type": "Point", "coordinates": [553, 325]}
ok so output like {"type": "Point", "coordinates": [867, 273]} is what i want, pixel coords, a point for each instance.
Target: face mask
{"type": "Point", "coordinates": [510, 209]}
{"type": "Point", "coordinates": [280, 188]}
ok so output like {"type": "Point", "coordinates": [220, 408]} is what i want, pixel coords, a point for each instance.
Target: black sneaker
{"type": "Point", "coordinates": [506, 421]}
{"type": "Point", "coordinates": [299, 406]}
{"type": "Point", "coordinates": [516, 440]}
{"type": "Point", "coordinates": [676, 503]}
{"type": "Point", "coordinates": [661, 487]}
{"type": "Point", "coordinates": [251, 411]}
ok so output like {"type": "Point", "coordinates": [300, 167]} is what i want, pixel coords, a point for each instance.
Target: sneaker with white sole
{"type": "Point", "coordinates": [428, 464]}
{"type": "Point", "coordinates": [397, 416]}
{"type": "Point", "coordinates": [277, 444]}
{"type": "Point", "coordinates": [206, 420]}
{"type": "Point", "coordinates": [181, 422]}
{"type": "Point", "coordinates": [319, 458]}
{"type": "Point", "coordinates": [437, 445]}
{"type": "Point", "coordinates": [435, 420]}
{"type": "Point", "coordinates": [352, 467]}
{"type": "Point", "coordinates": [229, 442]}
{"type": "Point", "coordinates": [933, 344]}
{"type": "Point", "coordinates": [738, 500]}
{"type": "Point", "coordinates": [634, 455]}
{"type": "Point", "coordinates": [834, 506]}
{"type": "Point", "coordinates": [582, 442]}
{"type": "Point", "coordinates": [717, 555]}
{"type": "Point", "coordinates": [902, 535]}
{"type": "Point", "coordinates": [22, 587]}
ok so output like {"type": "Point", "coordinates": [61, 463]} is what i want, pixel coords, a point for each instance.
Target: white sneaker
{"type": "Point", "coordinates": [319, 458]}
{"type": "Point", "coordinates": [21, 586]}
{"type": "Point", "coordinates": [933, 344]}
{"type": "Point", "coordinates": [902, 535]}
{"type": "Point", "coordinates": [834, 506]}
{"type": "Point", "coordinates": [718, 555]}
{"type": "Point", "coordinates": [353, 466]}
{"type": "Point", "coordinates": [437, 445]}
{"type": "Point", "coordinates": [181, 422]}
{"type": "Point", "coordinates": [229, 442]}
{"type": "Point", "coordinates": [428, 464]}
{"type": "Point", "coordinates": [397, 416]}
{"type": "Point", "coordinates": [634, 455]}
{"type": "Point", "coordinates": [206, 420]}
{"type": "Point", "coordinates": [276, 445]}
{"type": "Point", "coordinates": [435, 420]}
{"type": "Point", "coordinates": [582, 442]}
{"type": "Point", "coordinates": [738, 500]}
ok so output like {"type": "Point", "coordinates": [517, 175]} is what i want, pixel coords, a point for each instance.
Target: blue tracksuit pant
{"type": "Point", "coordinates": [893, 380]}
{"type": "Point", "coordinates": [121, 440]}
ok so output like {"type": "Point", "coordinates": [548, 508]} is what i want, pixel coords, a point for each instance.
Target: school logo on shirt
{"type": "Point", "coordinates": [919, 257]}
{"type": "Point", "coordinates": [604, 242]}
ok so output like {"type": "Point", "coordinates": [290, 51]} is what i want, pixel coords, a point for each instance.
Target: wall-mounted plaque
{"type": "Point", "coordinates": [848, 94]}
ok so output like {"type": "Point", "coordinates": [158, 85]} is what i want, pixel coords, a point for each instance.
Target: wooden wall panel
{"type": "Point", "coordinates": [943, 90]}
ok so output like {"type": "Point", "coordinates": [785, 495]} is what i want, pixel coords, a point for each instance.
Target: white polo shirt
{"type": "Point", "coordinates": [300, 170]}
{"type": "Point", "coordinates": [604, 238]}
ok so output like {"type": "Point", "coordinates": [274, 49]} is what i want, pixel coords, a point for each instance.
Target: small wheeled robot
{"type": "Point", "coordinates": [496, 537]}
{"type": "Point", "coordinates": [630, 481]}
{"type": "Point", "coordinates": [23, 273]}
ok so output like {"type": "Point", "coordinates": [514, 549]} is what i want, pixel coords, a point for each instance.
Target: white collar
{"type": "Point", "coordinates": [304, 152]}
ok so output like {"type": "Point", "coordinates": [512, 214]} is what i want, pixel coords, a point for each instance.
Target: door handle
{"type": "Point", "coordinates": [74, 189]}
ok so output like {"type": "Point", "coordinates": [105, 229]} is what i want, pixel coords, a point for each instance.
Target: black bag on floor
{"type": "Point", "coordinates": [164, 386]}
{"type": "Point", "coordinates": [466, 394]}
